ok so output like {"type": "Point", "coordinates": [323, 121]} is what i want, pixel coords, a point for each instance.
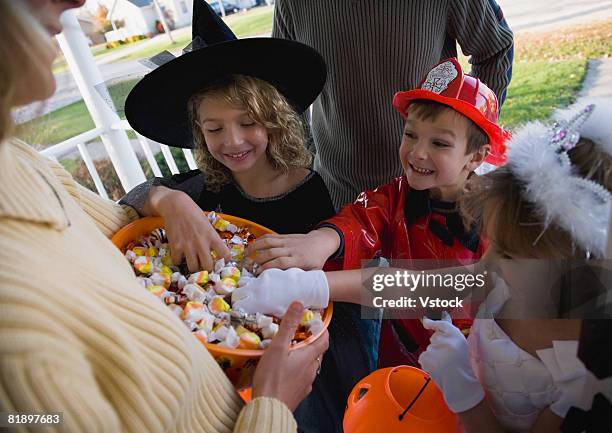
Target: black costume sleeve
{"type": "Point", "coordinates": [191, 183]}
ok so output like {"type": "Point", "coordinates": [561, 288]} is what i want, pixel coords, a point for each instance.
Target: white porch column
{"type": "Point", "coordinates": [160, 14]}
{"type": "Point", "coordinates": [87, 75]}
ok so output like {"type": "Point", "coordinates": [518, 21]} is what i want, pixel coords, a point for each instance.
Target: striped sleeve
{"type": "Point", "coordinates": [283, 23]}
{"type": "Point", "coordinates": [486, 39]}
{"type": "Point", "coordinates": [264, 415]}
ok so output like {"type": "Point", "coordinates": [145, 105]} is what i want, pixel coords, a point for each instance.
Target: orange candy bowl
{"type": "Point", "coordinates": [238, 364]}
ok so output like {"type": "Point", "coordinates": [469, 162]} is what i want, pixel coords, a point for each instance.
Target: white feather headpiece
{"type": "Point", "coordinates": [537, 155]}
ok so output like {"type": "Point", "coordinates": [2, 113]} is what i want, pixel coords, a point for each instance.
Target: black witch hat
{"type": "Point", "coordinates": [157, 106]}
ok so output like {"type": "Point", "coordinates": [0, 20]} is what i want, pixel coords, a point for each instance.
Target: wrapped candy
{"type": "Point", "coordinates": [130, 255]}
{"type": "Point", "coordinates": [179, 280]}
{"type": "Point", "coordinates": [207, 322]}
{"type": "Point", "coordinates": [166, 270]}
{"type": "Point", "coordinates": [193, 312]}
{"type": "Point", "coordinates": [231, 339]}
{"type": "Point", "coordinates": [159, 291]}
{"type": "Point", "coordinates": [144, 282]}
{"type": "Point", "coordinates": [230, 272]}
{"type": "Point", "coordinates": [199, 278]}
{"type": "Point", "coordinates": [316, 325]}
{"type": "Point", "coordinates": [249, 340]}
{"type": "Point", "coordinates": [262, 320]}
{"type": "Point", "coordinates": [221, 224]}
{"type": "Point", "coordinates": [143, 264]}
{"type": "Point", "coordinates": [307, 317]}
{"type": "Point", "coordinates": [217, 305]}
{"type": "Point", "coordinates": [161, 279]}
{"type": "Point", "coordinates": [176, 309]}
{"type": "Point", "coordinates": [269, 331]}
{"type": "Point", "coordinates": [219, 332]}
{"type": "Point", "coordinates": [237, 252]}
{"type": "Point", "coordinates": [195, 293]}
{"type": "Point", "coordinates": [219, 264]}
{"type": "Point", "coordinates": [139, 251]}
{"type": "Point", "coordinates": [172, 299]}
{"type": "Point", "coordinates": [201, 299]}
{"type": "Point", "coordinates": [225, 286]}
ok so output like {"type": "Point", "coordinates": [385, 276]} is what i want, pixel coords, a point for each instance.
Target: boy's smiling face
{"type": "Point", "coordinates": [433, 153]}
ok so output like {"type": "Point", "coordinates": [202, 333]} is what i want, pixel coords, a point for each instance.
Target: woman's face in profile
{"type": "Point", "coordinates": [48, 13]}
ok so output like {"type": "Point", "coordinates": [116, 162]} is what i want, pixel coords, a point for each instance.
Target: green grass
{"type": "Point", "coordinates": [538, 88]}
{"type": "Point", "coordinates": [68, 121]}
{"type": "Point", "coordinates": [252, 23]}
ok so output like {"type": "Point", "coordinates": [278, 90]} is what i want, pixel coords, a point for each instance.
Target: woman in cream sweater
{"type": "Point", "coordinates": [79, 339]}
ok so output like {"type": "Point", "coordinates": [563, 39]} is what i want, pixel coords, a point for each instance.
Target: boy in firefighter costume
{"type": "Point", "coordinates": [450, 130]}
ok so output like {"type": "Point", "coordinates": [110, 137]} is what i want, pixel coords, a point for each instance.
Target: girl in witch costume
{"type": "Point", "coordinates": [236, 102]}
{"type": "Point", "coordinates": [450, 129]}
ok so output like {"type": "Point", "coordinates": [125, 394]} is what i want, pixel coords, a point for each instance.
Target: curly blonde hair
{"type": "Point", "coordinates": [266, 106]}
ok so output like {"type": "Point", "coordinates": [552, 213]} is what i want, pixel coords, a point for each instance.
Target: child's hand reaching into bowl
{"type": "Point", "coordinates": [305, 251]}
{"type": "Point", "coordinates": [274, 290]}
{"type": "Point", "coordinates": [189, 232]}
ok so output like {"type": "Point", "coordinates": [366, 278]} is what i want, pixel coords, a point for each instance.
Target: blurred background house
{"type": "Point", "coordinates": [121, 19]}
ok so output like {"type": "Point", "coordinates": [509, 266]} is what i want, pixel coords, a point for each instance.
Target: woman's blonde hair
{"type": "Point", "coordinates": [495, 200]}
{"type": "Point", "coordinates": [266, 106]}
{"type": "Point", "coordinates": [24, 44]}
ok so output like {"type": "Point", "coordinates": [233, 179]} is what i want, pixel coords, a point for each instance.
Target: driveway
{"type": "Point", "coordinates": [538, 15]}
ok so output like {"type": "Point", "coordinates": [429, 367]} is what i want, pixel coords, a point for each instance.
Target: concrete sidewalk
{"type": "Point", "coordinates": [598, 81]}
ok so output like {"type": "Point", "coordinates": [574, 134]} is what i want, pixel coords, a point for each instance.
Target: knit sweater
{"type": "Point", "coordinates": [374, 48]}
{"type": "Point", "coordinates": [80, 336]}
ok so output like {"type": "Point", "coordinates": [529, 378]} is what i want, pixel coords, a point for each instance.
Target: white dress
{"type": "Point", "coordinates": [518, 385]}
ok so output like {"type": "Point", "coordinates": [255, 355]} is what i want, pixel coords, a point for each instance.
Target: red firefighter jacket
{"type": "Point", "coordinates": [396, 222]}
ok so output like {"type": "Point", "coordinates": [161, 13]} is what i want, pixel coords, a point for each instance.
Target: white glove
{"type": "Point", "coordinates": [447, 360]}
{"type": "Point", "coordinates": [273, 291]}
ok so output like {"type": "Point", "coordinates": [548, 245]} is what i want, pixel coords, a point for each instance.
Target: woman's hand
{"type": "Point", "coordinates": [309, 251]}
{"type": "Point", "coordinates": [274, 290]}
{"type": "Point", "coordinates": [288, 375]}
{"type": "Point", "coordinates": [189, 232]}
{"type": "Point", "coordinates": [447, 360]}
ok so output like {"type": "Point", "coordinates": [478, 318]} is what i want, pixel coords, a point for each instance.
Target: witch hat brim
{"type": "Point", "coordinates": [157, 106]}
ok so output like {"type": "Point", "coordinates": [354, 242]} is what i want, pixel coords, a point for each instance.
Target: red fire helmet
{"type": "Point", "coordinates": [446, 84]}
{"type": "Point", "coordinates": [398, 399]}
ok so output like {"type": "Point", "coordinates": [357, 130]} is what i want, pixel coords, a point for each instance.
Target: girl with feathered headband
{"type": "Point", "coordinates": [551, 201]}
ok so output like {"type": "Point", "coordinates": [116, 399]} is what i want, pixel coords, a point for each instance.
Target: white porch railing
{"type": "Point", "coordinates": [79, 142]}
{"type": "Point", "coordinates": [110, 129]}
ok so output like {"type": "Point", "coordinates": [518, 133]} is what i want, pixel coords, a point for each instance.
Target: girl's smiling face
{"type": "Point", "coordinates": [433, 153]}
{"type": "Point", "coordinates": [232, 137]}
